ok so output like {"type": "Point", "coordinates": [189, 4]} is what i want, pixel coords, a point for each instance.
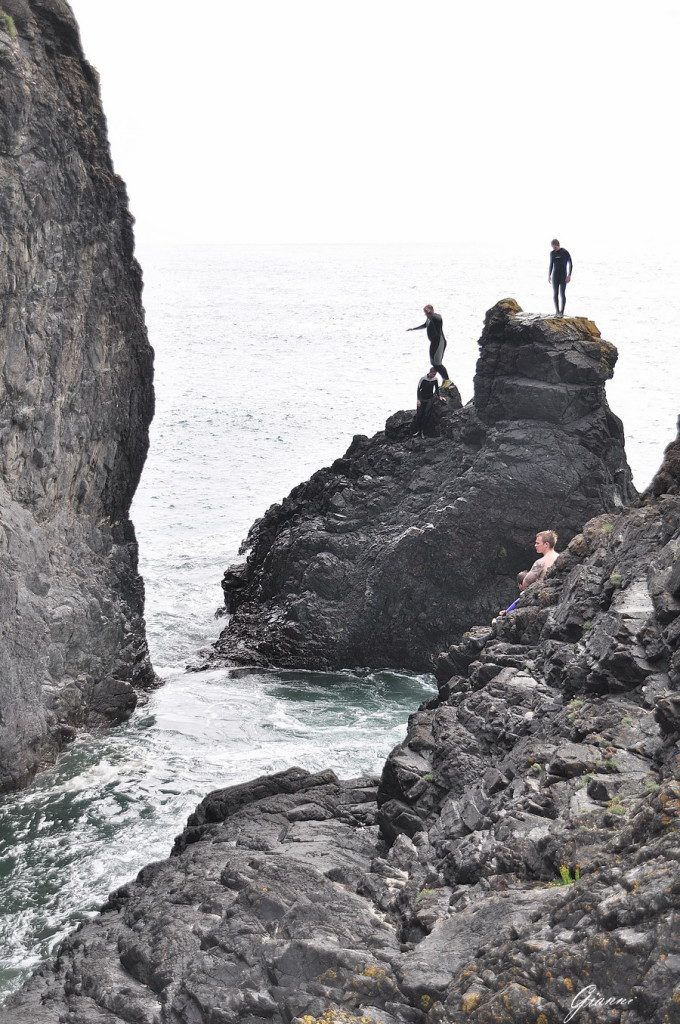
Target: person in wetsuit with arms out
{"type": "Point", "coordinates": [557, 274]}
{"type": "Point", "coordinates": [435, 335]}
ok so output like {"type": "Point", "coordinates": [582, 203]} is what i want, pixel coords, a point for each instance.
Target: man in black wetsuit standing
{"type": "Point", "coordinates": [427, 389]}
{"type": "Point", "coordinates": [435, 335]}
{"type": "Point", "coordinates": [557, 274]}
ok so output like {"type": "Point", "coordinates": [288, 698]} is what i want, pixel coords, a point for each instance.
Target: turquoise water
{"type": "Point", "coordinates": [115, 802]}
{"type": "Point", "coordinates": [269, 359]}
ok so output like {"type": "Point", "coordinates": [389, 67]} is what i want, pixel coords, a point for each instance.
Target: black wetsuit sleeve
{"type": "Point", "coordinates": [436, 387]}
{"type": "Point", "coordinates": [567, 259]}
{"type": "Point", "coordinates": [420, 327]}
{"type": "Point", "coordinates": [552, 263]}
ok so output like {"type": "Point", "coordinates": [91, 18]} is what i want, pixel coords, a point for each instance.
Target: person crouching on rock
{"type": "Point", "coordinates": [544, 545]}
{"type": "Point", "coordinates": [435, 334]}
{"type": "Point", "coordinates": [428, 389]}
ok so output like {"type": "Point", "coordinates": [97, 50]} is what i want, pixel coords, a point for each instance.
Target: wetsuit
{"type": "Point", "coordinates": [557, 273]}
{"type": "Point", "coordinates": [435, 334]}
{"type": "Point", "coordinates": [427, 389]}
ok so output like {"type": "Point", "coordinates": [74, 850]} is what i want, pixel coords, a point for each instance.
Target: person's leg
{"type": "Point", "coordinates": [418, 421]}
{"type": "Point", "coordinates": [505, 611]}
{"type": "Point", "coordinates": [426, 409]}
{"type": "Point", "coordinates": [556, 285]}
{"type": "Point", "coordinates": [436, 356]}
{"type": "Point", "coordinates": [510, 608]}
{"type": "Point", "coordinates": [563, 295]}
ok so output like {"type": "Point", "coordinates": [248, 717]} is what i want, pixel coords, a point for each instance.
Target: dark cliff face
{"type": "Point", "coordinates": [522, 844]}
{"type": "Point", "coordinates": [667, 479]}
{"type": "Point", "coordinates": [76, 400]}
{"type": "Point", "coordinates": [553, 751]}
{"type": "Point", "coordinates": [403, 543]}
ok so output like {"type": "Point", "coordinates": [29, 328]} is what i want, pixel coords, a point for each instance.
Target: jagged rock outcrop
{"type": "Point", "coordinates": [76, 399]}
{"type": "Point", "coordinates": [402, 544]}
{"type": "Point", "coordinates": [553, 749]}
{"type": "Point", "coordinates": [528, 859]}
{"type": "Point", "coordinates": [667, 478]}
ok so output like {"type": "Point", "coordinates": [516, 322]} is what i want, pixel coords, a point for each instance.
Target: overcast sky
{"type": "Point", "coordinates": [392, 120]}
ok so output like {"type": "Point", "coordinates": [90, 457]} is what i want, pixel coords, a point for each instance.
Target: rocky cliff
{"type": "Point", "coordinates": [518, 859]}
{"type": "Point", "coordinates": [403, 543]}
{"type": "Point", "coordinates": [76, 399]}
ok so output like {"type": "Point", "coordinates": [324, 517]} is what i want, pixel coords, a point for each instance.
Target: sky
{"type": "Point", "coordinates": [488, 122]}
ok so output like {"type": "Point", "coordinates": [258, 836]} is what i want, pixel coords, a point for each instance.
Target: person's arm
{"type": "Point", "coordinates": [419, 328]}
{"type": "Point", "coordinates": [534, 575]}
{"type": "Point", "coordinates": [436, 318]}
{"type": "Point", "coordinates": [436, 387]}
{"type": "Point", "coordinates": [571, 266]}
{"type": "Point", "coordinates": [552, 264]}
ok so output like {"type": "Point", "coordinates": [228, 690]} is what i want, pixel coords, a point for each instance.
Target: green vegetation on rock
{"type": "Point", "coordinates": [566, 877]}
{"type": "Point", "coordinates": [7, 24]}
{"type": "Point", "coordinates": [424, 893]}
{"type": "Point", "coordinates": [573, 707]}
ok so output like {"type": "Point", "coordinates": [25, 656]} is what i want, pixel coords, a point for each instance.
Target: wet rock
{"type": "Point", "coordinates": [521, 845]}
{"type": "Point", "coordinates": [522, 842]}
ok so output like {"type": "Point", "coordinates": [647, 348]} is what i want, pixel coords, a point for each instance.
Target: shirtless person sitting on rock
{"type": "Point", "coordinates": [545, 546]}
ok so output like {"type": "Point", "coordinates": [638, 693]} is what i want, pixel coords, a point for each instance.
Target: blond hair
{"type": "Point", "coordinates": [548, 537]}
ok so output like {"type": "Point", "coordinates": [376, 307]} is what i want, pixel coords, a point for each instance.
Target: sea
{"type": "Point", "coordinates": [269, 359]}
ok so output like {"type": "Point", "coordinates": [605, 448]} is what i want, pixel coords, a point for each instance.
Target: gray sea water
{"type": "Point", "coordinates": [268, 360]}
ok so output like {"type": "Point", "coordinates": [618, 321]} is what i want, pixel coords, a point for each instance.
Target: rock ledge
{"type": "Point", "coordinates": [401, 544]}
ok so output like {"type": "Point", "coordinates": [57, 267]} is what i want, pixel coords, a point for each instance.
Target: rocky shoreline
{"type": "Point", "coordinates": [389, 554]}
{"type": "Point", "coordinates": [76, 400]}
{"type": "Point", "coordinates": [521, 851]}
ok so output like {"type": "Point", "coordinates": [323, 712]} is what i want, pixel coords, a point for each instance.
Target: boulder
{"type": "Point", "coordinates": [393, 551]}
